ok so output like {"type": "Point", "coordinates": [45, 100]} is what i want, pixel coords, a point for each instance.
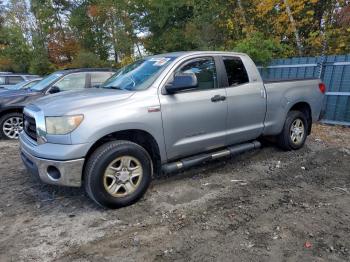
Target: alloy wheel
{"type": "Point", "coordinates": [12, 127]}
{"type": "Point", "coordinates": [297, 131]}
{"type": "Point", "coordinates": [123, 176]}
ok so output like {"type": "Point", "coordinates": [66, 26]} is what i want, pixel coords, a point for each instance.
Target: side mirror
{"type": "Point", "coordinates": [54, 90]}
{"type": "Point", "coordinates": [182, 82]}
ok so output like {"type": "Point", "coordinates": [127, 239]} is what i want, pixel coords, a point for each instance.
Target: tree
{"type": "Point", "coordinates": [14, 47]}
{"type": "Point", "coordinates": [53, 31]}
{"type": "Point", "coordinates": [88, 59]}
{"type": "Point", "coordinates": [261, 49]}
{"type": "Point", "coordinates": [44, 35]}
{"type": "Point", "coordinates": [87, 23]}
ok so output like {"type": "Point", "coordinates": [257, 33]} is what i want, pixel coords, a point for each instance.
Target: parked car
{"type": "Point", "coordinates": [10, 79]}
{"type": "Point", "coordinates": [12, 102]}
{"type": "Point", "coordinates": [162, 113]}
{"type": "Point", "coordinates": [22, 85]}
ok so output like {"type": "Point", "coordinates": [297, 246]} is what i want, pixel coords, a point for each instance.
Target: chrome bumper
{"type": "Point", "coordinates": [62, 173]}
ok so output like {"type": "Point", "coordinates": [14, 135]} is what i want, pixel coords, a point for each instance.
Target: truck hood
{"type": "Point", "coordinates": [76, 101]}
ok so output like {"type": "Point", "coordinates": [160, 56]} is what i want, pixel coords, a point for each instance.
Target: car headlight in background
{"type": "Point", "coordinates": [62, 125]}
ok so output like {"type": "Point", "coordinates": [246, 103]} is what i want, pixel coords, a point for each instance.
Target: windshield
{"type": "Point", "coordinates": [46, 82]}
{"type": "Point", "coordinates": [138, 75]}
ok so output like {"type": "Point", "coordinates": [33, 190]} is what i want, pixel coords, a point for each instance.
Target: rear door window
{"type": "Point", "coordinates": [236, 72]}
{"type": "Point", "coordinates": [97, 78]}
{"type": "Point", "coordinates": [2, 80]}
{"type": "Point", "coordinates": [14, 80]}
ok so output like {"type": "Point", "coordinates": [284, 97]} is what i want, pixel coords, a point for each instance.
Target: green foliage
{"type": "Point", "coordinates": [40, 64]}
{"type": "Point", "coordinates": [261, 49]}
{"type": "Point", "coordinates": [88, 30]}
{"type": "Point", "coordinates": [42, 35]}
{"type": "Point", "coordinates": [88, 59]}
{"type": "Point", "coordinates": [182, 25]}
{"type": "Point", "coordinates": [14, 50]}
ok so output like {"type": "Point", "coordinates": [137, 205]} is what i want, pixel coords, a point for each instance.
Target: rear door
{"type": "Point", "coordinates": [193, 121]}
{"type": "Point", "coordinates": [246, 99]}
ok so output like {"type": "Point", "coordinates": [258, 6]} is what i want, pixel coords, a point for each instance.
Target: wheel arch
{"type": "Point", "coordinates": [138, 136]}
{"type": "Point", "coordinates": [11, 110]}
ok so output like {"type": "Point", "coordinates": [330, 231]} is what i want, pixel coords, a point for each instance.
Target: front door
{"type": "Point", "coordinates": [195, 120]}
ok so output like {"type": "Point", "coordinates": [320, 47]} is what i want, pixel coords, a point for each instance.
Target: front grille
{"type": "Point", "coordinates": [29, 126]}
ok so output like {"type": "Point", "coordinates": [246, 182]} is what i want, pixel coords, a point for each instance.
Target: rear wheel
{"type": "Point", "coordinates": [11, 125]}
{"type": "Point", "coordinates": [294, 131]}
{"type": "Point", "coordinates": [118, 174]}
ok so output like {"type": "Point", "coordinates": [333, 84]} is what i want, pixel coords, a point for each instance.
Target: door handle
{"type": "Point", "coordinates": [218, 98]}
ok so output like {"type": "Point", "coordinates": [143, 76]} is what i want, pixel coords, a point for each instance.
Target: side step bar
{"type": "Point", "coordinates": [198, 159]}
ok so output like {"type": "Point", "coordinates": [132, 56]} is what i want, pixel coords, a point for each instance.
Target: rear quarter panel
{"type": "Point", "coordinates": [282, 96]}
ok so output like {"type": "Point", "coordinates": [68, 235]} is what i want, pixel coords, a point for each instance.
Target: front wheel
{"type": "Point", "coordinates": [118, 174]}
{"type": "Point", "coordinates": [11, 125]}
{"type": "Point", "coordinates": [294, 133]}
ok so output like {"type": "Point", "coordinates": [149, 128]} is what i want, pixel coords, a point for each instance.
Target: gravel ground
{"type": "Point", "coordinates": [267, 205]}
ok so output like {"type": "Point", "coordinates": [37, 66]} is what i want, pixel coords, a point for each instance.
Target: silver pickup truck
{"type": "Point", "coordinates": [162, 113]}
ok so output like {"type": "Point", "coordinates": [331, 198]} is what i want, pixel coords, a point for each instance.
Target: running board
{"type": "Point", "coordinates": [198, 159]}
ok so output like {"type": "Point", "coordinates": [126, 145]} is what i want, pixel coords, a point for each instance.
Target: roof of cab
{"type": "Point", "coordinates": [188, 53]}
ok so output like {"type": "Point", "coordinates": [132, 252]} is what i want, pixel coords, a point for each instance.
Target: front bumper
{"type": "Point", "coordinates": [55, 164]}
{"type": "Point", "coordinates": [62, 173]}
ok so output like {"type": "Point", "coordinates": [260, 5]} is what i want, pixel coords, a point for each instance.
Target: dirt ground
{"type": "Point", "coordinates": [266, 205]}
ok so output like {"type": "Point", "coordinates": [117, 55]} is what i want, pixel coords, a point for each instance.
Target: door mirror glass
{"type": "Point", "coordinates": [181, 82]}
{"type": "Point", "coordinates": [54, 90]}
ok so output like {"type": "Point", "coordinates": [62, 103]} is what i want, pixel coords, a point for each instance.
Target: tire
{"type": "Point", "coordinates": [285, 139]}
{"type": "Point", "coordinates": [104, 163]}
{"type": "Point", "coordinates": [6, 124]}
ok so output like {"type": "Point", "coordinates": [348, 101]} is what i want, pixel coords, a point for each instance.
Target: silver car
{"type": "Point", "coordinates": [162, 113]}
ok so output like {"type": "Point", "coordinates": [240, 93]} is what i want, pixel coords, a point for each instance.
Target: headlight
{"type": "Point", "coordinates": [62, 125]}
